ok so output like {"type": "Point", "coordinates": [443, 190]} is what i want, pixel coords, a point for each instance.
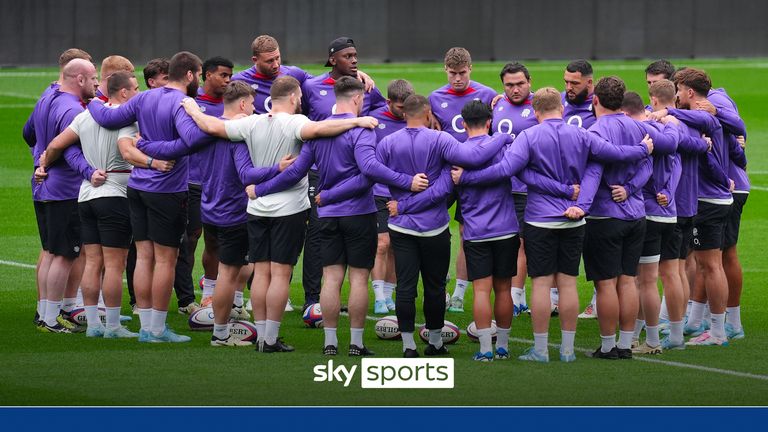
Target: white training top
{"type": "Point", "coordinates": [100, 150]}
{"type": "Point", "coordinates": [270, 137]}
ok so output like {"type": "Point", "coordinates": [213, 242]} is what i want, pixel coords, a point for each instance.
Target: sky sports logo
{"type": "Point", "coordinates": [390, 373]}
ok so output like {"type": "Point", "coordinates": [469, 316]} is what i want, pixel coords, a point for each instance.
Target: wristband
{"type": "Point", "coordinates": [150, 159]}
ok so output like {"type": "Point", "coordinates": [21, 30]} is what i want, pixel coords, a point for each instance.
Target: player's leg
{"type": "Point", "coordinates": [91, 284]}
{"type": "Point", "coordinates": [312, 265]}
{"type": "Point", "coordinates": [518, 281]}
{"type": "Point", "coordinates": [360, 242]}
{"type": "Point", "coordinates": [435, 256]}
{"type": "Point", "coordinates": [112, 289]}
{"type": "Point", "coordinates": [602, 261]}
{"type": "Point", "coordinates": [732, 267]}
{"type": "Point", "coordinates": [633, 235]}
{"type": "Point", "coordinates": [379, 273]}
{"type": "Point", "coordinates": [407, 266]}
{"type": "Point", "coordinates": [462, 282]}
{"type": "Point", "coordinates": [210, 261]}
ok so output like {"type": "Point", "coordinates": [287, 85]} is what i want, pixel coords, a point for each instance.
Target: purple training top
{"type": "Point", "coordinates": [161, 118]}
{"type": "Point", "coordinates": [262, 84]}
{"type": "Point", "coordinates": [388, 124]}
{"type": "Point", "coordinates": [51, 116]}
{"type": "Point", "coordinates": [447, 104]}
{"type": "Point", "coordinates": [733, 126]}
{"type": "Point", "coordinates": [512, 119]}
{"type": "Point", "coordinates": [319, 101]}
{"type": "Point", "coordinates": [215, 108]}
{"type": "Point", "coordinates": [581, 115]}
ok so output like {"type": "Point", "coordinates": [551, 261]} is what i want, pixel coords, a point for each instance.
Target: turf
{"type": "Point", "coordinates": [45, 369]}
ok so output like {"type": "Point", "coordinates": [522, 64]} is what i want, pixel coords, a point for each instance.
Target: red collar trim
{"type": "Point", "coordinates": [528, 101]}
{"type": "Point", "coordinates": [329, 81]}
{"type": "Point", "coordinates": [260, 76]}
{"type": "Point", "coordinates": [392, 116]}
{"type": "Point", "coordinates": [103, 98]}
{"type": "Point", "coordinates": [469, 90]}
{"type": "Point", "coordinates": [211, 99]}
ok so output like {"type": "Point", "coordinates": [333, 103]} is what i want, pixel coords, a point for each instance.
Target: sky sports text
{"type": "Point", "coordinates": [390, 373]}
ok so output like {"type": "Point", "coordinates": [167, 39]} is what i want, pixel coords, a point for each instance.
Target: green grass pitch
{"type": "Point", "coordinates": [49, 369]}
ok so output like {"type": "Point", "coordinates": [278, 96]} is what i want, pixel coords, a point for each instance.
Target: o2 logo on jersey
{"type": "Point", "coordinates": [505, 126]}
{"type": "Point", "coordinates": [268, 103]}
{"type": "Point", "coordinates": [323, 92]}
{"type": "Point", "coordinates": [455, 124]}
{"type": "Point", "coordinates": [575, 121]}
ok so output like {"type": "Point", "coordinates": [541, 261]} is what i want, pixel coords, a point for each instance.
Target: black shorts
{"type": "Point", "coordinates": [58, 224]}
{"type": "Point", "coordinates": [276, 239]}
{"type": "Point", "coordinates": [454, 198]}
{"type": "Point", "coordinates": [158, 217]}
{"type": "Point", "coordinates": [733, 223]}
{"type": "Point", "coordinates": [612, 247]}
{"type": "Point", "coordinates": [382, 214]}
{"type": "Point", "coordinates": [521, 200]}
{"type": "Point", "coordinates": [497, 258]}
{"type": "Point", "coordinates": [684, 236]}
{"type": "Point", "coordinates": [232, 242]}
{"type": "Point", "coordinates": [194, 222]}
{"type": "Point", "coordinates": [709, 226]}
{"type": "Point", "coordinates": [349, 240]}
{"type": "Point", "coordinates": [660, 242]}
{"type": "Point", "coordinates": [549, 250]}
{"type": "Point", "coordinates": [106, 222]}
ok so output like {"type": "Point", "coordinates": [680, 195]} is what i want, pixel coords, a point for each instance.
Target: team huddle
{"type": "Point", "coordinates": [272, 161]}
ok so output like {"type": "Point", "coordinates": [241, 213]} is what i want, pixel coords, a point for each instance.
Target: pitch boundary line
{"type": "Point", "coordinates": [642, 359]}
{"type": "Point", "coordinates": [528, 341]}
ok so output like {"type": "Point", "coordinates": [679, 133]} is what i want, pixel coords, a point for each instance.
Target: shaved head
{"type": "Point", "coordinates": [80, 78]}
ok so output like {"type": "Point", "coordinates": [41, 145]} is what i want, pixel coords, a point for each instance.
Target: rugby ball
{"type": "Point", "coordinates": [313, 316]}
{"type": "Point", "coordinates": [77, 316]}
{"type": "Point", "coordinates": [201, 319]}
{"type": "Point", "coordinates": [472, 331]}
{"type": "Point", "coordinates": [450, 333]}
{"type": "Point", "coordinates": [387, 328]}
{"type": "Point", "coordinates": [243, 330]}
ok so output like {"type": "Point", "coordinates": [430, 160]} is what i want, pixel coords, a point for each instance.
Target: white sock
{"type": "Point", "coordinates": [52, 309]}
{"type": "Point", "coordinates": [688, 308]}
{"type": "Point", "coordinates": [157, 326]}
{"type": "Point", "coordinates": [733, 317]}
{"type": "Point", "coordinates": [485, 340]}
{"type": "Point", "coordinates": [92, 316]}
{"type": "Point", "coordinates": [261, 326]}
{"type": "Point", "coordinates": [593, 302]}
{"type": "Point", "coordinates": [652, 336]}
{"type": "Point", "coordinates": [79, 296]}
{"type": "Point", "coordinates": [221, 331]}
{"type": "Point", "coordinates": [101, 300]}
{"type": "Point", "coordinates": [436, 337]}
{"type": "Point", "coordinates": [378, 290]}
{"type": "Point", "coordinates": [697, 311]}
{"type": "Point", "coordinates": [625, 339]}
{"type": "Point", "coordinates": [502, 338]}
{"type": "Point", "coordinates": [707, 315]}
{"type": "Point", "coordinates": [41, 308]}
{"type": "Point", "coordinates": [330, 336]}
{"type": "Point", "coordinates": [676, 332]}
{"type": "Point", "coordinates": [208, 286]}
{"type": "Point", "coordinates": [664, 313]}
{"type": "Point", "coordinates": [639, 324]}
{"type": "Point", "coordinates": [540, 343]}
{"type": "Point", "coordinates": [517, 294]}
{"type": "Point", "coordinates": [145, 318]}
{"type": "Point", "coordinates": [357, 337]}
{"type": "Point", "coordinates": [461, 286]}
{"type": "Point", "coordinates": [68, 304]}
{"type": "Point", "coordinates": [566, 346]}
{"type": "Point", "coordinates": [554, 296]}
{"type": "Point", "coordinates": [238, 298]}
{"type": "Point", "coordinates": [113, 317]}
{"type": "Point", "coordinates": [408, 342]}
{"type": "Point", "coordinates": [523, 301]}
{"type": "Point", "coordinates": [718, 326]}
{"type": "Point", "coordinates": [271, 330]}
{"type": "Point", "coordinates": [608, 343]}
{"type": "Point", "coordinates": [389, 288]}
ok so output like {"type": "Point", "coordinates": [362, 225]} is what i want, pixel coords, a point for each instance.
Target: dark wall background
{"type": "Point", "coordinates": [34, 32]}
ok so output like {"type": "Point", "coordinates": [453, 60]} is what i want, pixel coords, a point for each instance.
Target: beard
{"type": "Point", "coordinates": [192, 89]}
{"type": "Point", "coordinates": [579, 98]}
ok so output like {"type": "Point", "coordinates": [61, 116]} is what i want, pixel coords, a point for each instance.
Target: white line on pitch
{"type": "Point", "coordinates": [19, 95]}
{"type": "Point", "coordinates": [17, 264]}
{"type": "Point", "coordinates": [638, 358]}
